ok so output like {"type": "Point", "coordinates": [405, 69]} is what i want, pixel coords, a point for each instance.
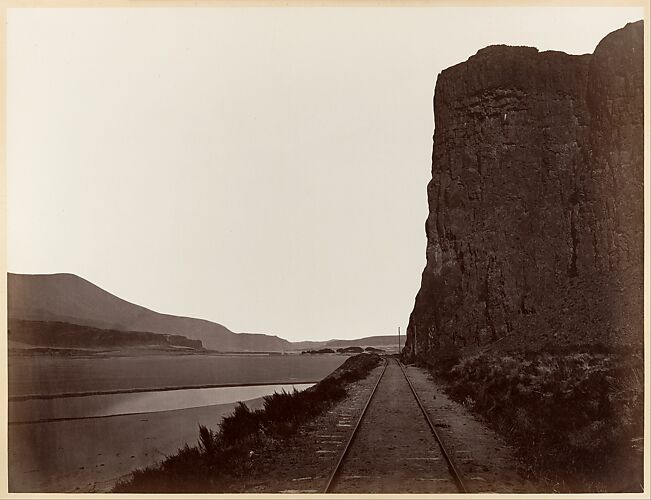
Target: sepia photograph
{"type": "Point", "coordinates": [311, 248]}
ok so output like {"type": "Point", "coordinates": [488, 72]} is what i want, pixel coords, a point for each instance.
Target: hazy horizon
{"type": "Point", "coordinates": [265, 169]}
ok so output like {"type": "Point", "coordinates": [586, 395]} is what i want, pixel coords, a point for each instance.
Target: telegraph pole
{"type": "Point", "coordinates": [398, 341]}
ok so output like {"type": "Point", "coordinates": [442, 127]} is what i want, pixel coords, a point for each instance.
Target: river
{"type": "Point", "coordinates": [104, 405]}
{"type": "Point", "coordinates": [79, 424]}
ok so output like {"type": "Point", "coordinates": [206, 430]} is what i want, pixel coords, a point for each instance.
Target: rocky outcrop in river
{"type": "Point", "coordinates": [535, 226]}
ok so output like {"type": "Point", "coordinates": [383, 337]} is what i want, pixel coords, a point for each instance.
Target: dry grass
{"type": "Point", "coordinates": [577, 419]}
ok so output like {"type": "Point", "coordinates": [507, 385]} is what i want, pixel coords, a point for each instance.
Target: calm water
{"type": "Point", "coordinates": [61, 374]}
{"type": "Point", "coordinates": [141, 402]}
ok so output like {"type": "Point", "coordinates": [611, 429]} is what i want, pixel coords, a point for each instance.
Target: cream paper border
{"type": "Point", "coordinates": [9, 4]}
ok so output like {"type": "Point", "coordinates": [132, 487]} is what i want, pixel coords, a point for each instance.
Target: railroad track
{"type": "Point", "coordinates": [342, 464]}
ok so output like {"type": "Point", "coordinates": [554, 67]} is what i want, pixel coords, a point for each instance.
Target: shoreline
{"type": "Point", "coordinates": [28, 397]}
{"type": "Point", "coordinates": [90, 461]}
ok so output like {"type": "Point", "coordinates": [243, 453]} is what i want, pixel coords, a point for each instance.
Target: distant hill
{"type": "Point", "coordinates": [374, 341]}
{"type": "Point", "coordinates": [67, 335]}
{"type": "Point", "coordinates": [67, 298]}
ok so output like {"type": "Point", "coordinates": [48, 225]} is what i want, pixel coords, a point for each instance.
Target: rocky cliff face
{"type": "Point", "coordinates": [536, 212]}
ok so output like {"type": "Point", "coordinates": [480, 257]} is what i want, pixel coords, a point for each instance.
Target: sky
{"type": "Point", "coordinates": [263, 168]}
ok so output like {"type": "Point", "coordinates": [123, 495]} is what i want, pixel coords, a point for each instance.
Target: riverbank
{"type": "Point", "coordinates": [91, 451]}
{"type": "Point", "coordinates": [224, 456]}
{"type": "Point", "coordinates": [90, 455]}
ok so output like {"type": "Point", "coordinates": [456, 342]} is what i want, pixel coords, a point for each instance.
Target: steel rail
{"type": "Point", "coordinates": [337, 468]}
{"type": "Point", "coordinates": [451, 467]}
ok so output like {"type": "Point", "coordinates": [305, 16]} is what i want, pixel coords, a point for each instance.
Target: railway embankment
{"type": "Point", "coordinates": [411, 438]}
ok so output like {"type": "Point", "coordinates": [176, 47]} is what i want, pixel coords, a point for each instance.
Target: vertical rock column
{"type": "Point", "coordinates": [535, 222]}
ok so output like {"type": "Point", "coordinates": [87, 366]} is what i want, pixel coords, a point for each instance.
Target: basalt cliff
{"type": "Point", "coordinates": [536, 211]}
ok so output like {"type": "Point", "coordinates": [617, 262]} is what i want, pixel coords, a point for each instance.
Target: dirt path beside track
{"type": "Point", "coordinates": [394, 450]}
